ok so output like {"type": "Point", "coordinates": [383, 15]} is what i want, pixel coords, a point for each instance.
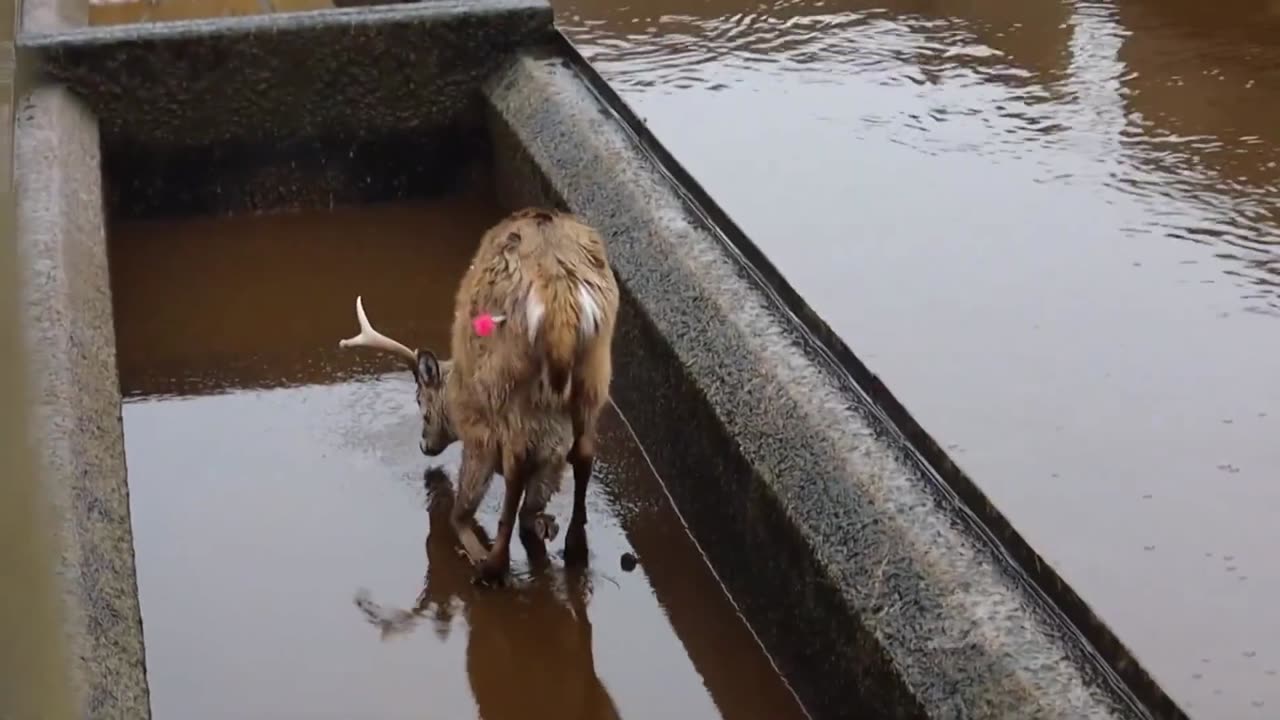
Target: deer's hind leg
{"type": "Point", "coordinates": [590, 393]}
{"type": "Point", "coordinates": [515, 471]}
{"type": "Point", "coordinates": [478, 465]}
{"type": "Point", "coordinates": [582, 458]}
{"type": "Point", "coordinates": [536, 526]}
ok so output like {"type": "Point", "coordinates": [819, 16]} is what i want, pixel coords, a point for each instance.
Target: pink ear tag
{"type": "Point", "coordinates": [485, 324]}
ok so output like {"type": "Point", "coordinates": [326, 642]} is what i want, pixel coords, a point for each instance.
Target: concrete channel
{"type": "Point", "coordinates": [872, 576]}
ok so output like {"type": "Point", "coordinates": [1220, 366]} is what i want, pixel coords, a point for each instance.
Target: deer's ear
{"type": "Point", "coordinates": [428, 367]}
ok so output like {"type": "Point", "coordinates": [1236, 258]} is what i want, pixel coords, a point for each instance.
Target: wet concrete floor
{"type": "Point", "coordinates": [275, 479]}
{"type": "Point", "coordinates": [1051, 227]}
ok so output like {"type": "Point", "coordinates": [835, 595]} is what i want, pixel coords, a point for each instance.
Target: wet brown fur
{"type": "Point", "coordinates": [524, 407]}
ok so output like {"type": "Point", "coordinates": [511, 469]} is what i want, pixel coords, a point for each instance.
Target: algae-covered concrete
{"type": "Point", "coordinates": [856, 569]}
{"type": "Point", "coordinates": [34, 681]}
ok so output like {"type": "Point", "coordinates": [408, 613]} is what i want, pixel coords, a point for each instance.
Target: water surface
{"type": "Point", "coordinates": [1051, 228]}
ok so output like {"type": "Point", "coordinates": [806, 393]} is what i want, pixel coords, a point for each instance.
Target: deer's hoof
{"type": "Point", "coordinates": [546, 527]}
{"type": "Point", "coordinates": [490, 572]}
{"type": "Point", "coordinates": [575, 546]}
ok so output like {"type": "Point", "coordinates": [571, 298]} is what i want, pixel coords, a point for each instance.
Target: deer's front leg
{"type": "Point", "coordinates": [478, 465]}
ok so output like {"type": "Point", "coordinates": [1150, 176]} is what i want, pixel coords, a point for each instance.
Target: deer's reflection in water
{"type": "Point", "coordinates": [529, 653]}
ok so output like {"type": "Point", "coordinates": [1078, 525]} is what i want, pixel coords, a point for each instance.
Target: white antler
{"type": "Point", "coordinates": [371, 338]}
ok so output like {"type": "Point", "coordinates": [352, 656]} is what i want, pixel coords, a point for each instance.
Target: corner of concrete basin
{"type": "Point", "coordinates": [211, 116]}
{"type": "Point", "coordinates": [233, 82]}
{"type": "Point", "coordinates": [868, 583]}
{"type": "Point", "coordinates": [70, 339]}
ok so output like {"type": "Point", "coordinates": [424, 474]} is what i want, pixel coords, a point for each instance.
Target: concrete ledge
{"type": "Point", "coordinates": [218, 116]}
{"type": "Point", "coordinates": [69, 329]}
{"type": "Point", "coordinates": [350, 73]}
{"type": "Point", "coordinates": [867, 582]}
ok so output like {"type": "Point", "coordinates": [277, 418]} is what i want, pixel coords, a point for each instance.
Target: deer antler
{"type": "Point", "coordinates": [371, 338]}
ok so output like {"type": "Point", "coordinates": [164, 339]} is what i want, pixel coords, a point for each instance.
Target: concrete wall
{"type": "Point", "coordinates": [859, 572]}
{"type": "Point", "coordinates": [69, 330]}
{"type": "Point", "coordinates": [67, 301]}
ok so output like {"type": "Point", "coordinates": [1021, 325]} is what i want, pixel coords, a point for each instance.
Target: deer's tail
{"type": "Point", "coordinates": [563, 318]}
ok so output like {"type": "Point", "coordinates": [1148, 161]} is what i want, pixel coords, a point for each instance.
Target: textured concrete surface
{"type": "Point", "coordinates": [311, 173]}
{"type": "Point", "coordinates": [303, 110]}
{"type": "Point", "coordinates": [69, 329]}
{"type": "Point", "coordinates": [872, 591]}
{"type": "Point", "coordinates": [345, 74]}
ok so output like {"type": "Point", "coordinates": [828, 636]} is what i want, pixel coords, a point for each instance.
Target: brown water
{"type": "Point", "coordinates": [274, 477]}
{"type": "Point", "coordinates": [1052, 228]}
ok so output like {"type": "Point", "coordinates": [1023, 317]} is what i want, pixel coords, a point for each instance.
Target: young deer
{"type": "Point", "coordinates": [522, 394]}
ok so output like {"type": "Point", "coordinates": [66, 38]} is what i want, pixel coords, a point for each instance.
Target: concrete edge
{"type": "Point", "coordinates": [53, 36]}
{"type": "Point", "coordinates": [935, 606]}
{"type": "Point", "coordinates": [70, 336]}
{"type": "Point", "coordinates": [372, 72]}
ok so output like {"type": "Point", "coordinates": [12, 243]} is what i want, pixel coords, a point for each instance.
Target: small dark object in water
{"type": "Point", "coordinates": [628, 562]}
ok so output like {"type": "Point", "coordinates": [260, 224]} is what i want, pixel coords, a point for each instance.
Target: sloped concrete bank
{"type": "Point", "coordinates": [871, 586]}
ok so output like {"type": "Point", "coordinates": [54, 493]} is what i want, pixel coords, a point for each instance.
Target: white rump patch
{"type": "Point", "coordinates": [533, 312]}
{"type": "Point", "coordinates": [588, 312]}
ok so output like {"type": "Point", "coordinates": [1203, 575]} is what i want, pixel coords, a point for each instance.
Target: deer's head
{"type": "Point", "coordinates": [429, 374]}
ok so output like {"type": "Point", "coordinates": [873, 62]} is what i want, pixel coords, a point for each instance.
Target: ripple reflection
{"type": "Point", "coordinates": [957, 91]}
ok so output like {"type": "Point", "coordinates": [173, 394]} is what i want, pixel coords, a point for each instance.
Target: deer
{"type": "Point", "coordinates": [527, 378]}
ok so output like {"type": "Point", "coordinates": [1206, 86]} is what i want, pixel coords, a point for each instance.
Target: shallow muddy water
{"type": "Point", "coordinates": [275, 478]}
{"type": "Point", "coordinates": [1053, 229]}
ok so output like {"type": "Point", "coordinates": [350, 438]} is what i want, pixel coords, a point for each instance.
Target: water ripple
{"type": "Point", "coordinates": [961, 93]}
{"type": "Point", "coordinates": [1074, 207]}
